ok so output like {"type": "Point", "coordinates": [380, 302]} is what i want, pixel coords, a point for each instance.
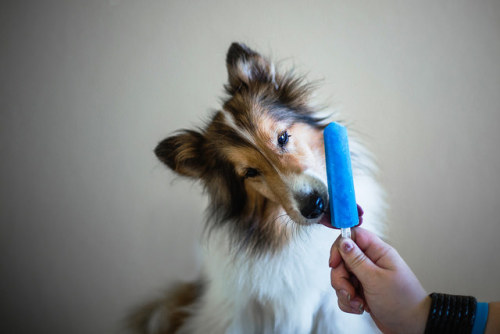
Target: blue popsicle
{"type": "Point", "coordinates": [343, 208]}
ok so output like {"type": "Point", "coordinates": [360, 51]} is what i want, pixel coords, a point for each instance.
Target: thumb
{"type": "Point", "coordinates": [356, 260]}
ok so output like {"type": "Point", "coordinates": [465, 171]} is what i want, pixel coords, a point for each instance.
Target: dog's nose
{"type": "Point", "coordinates": [314, 206]}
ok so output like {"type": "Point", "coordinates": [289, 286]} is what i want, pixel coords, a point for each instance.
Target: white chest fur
{"type": "Point", "coordinates": [287, 292]}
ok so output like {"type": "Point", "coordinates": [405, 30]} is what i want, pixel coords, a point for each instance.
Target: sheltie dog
{"type": "Point", "coordinates": [261, 161]}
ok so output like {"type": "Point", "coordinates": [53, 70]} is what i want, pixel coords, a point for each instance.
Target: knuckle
{"type": "Point", "coordinates": [357, 260]}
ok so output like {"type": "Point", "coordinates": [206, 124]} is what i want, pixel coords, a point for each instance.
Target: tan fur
{"type": "Point", "coordinates": [170, 311]}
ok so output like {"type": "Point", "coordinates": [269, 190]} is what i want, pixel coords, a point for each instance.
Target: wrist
{"type": "Point", "coordinates": [493, 323]}
{"type": "Point", "coordinates": [422, 314]}
{"type": "Point", "coordinates": [412, 321]}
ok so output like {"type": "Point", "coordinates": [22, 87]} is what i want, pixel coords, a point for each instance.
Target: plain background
{"type": "Point", "coordinates": [92, 223]}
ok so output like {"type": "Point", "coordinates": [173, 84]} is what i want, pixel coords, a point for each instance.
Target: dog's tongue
{"type": "Point", "coordinates": [326, 219]}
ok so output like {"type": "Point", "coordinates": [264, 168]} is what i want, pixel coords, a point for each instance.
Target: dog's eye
{"type": "Point", "coordinates": [251, 172]}
{"type": "Point", "coordinates": [283, 138]}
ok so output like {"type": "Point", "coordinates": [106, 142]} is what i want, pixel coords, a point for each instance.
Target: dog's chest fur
{"type": "Point", "coordinates": [287, 292]}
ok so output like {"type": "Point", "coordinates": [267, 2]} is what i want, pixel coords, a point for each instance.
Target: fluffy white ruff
{"type": "Point", "coordinates": [288, 292]}
{"type": "Point", "coordinates": [285, 292]}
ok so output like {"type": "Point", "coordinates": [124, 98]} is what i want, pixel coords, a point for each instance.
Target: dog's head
{"type": "Point", "coordinates": [261, 157]}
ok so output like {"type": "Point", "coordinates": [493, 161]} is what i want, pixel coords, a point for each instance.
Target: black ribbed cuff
{"type": "Point", "coordinates": [451, 314]}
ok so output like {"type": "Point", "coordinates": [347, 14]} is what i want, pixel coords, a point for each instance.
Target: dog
{"type": "Point", "coordinates": [261, 161]}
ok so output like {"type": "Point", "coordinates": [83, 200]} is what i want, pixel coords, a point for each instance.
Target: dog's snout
{"type": "Point", "coordinates": [313, 206]}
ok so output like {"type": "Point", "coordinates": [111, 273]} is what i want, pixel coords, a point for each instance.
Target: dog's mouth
{"type": "Point", "coordinates": [326, 217]}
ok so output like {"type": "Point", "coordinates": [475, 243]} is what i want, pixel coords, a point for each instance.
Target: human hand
{"type": "Point", "coordinates": [383, 285]}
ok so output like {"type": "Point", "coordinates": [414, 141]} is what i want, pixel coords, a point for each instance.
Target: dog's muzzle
{"type": "Point", "coordinates": [312, 205]}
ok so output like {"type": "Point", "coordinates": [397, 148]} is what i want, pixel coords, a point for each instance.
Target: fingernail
{"type": "Point", "coordinates": [356, 306]}
{"type": "Point", "coordinates": [345, 295]}
{"type": "Point", "coordinates": [347, 245]}
{"type": "Point", "coordinates": [361, 308]}
{"type": "Point", "coordinates": [330, 263]}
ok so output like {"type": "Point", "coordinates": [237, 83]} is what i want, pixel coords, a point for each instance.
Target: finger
{"type": "Point", "coordinates": [345, 307]}
{"type": "Point", "coordinates": [357, 305]}
{"type": "Point", "coordinates": [335, 257]}
{"type": "Point", "coordinates": [354, 306]}
{"type": "Point", "coordinates": [343, 296]}
{"type": "Point", "coordinates": [355, 260]}
{"type": "Point", "coordinates": [340, 279]}
{"type": "Point", "coordinates": [379, 252]}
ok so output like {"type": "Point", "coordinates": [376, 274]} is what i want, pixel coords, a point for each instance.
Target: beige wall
{"type": "Point", "coordinates": [91, 222]}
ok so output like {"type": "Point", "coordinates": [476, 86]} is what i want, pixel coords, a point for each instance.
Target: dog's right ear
{"type": "Point", "coordinates": [244, 65]}
{"type": "Point", "coordinates": [183, 153]}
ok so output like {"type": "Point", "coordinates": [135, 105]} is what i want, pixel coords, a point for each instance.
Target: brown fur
{"type": "Point", "coordinates": [171, 310]}
{"type": "Point", "coordinates": [244, 135]}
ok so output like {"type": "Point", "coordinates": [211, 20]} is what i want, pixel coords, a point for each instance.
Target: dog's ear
{"type": "Point", "coordinates": [183, 153]}
{"type": "Point", "coordinates": [245, 65]}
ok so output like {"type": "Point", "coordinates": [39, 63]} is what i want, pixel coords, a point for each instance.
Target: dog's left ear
{"type": "Point", "coordinates": [183, 153]}
{"type": "Point", "coordinates": [245, 66]}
